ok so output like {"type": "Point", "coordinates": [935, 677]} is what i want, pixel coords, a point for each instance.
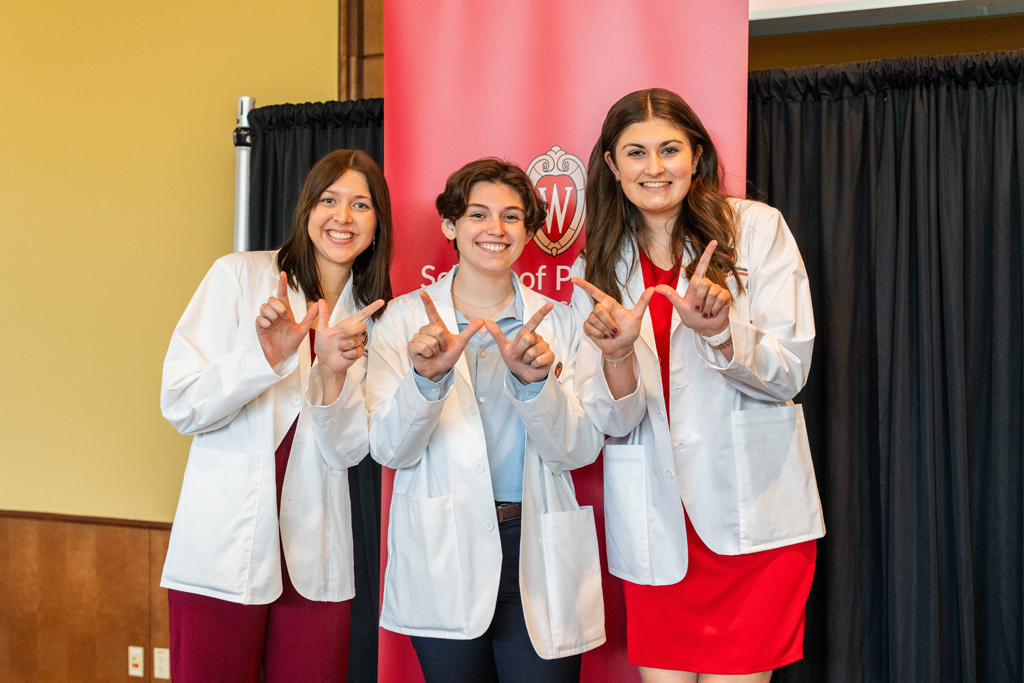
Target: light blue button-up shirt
{"type": "Point", "coordinates": [504, 432]}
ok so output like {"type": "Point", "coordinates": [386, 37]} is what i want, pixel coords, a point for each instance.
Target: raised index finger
{"type": "Point", "coordinates": [702, 265]}
{"type": "Point", "coordinates": [432, 315]}
{"type": "Point", "coordinates": [362, 315]}
{"type": "Point", "coordinates": [590, 289]}
{"type": "Point", "coordinates": [532, 323]}
{"type": "Point", "coordinates": [282, 287]}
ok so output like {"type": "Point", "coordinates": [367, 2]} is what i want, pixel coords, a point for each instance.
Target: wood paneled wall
{"type": "Point", "coordinates": [361, 49]}
{"type": "Point", "coordinates": [75, 593]}
{"type": "Point", "coordinates": [961, 36]}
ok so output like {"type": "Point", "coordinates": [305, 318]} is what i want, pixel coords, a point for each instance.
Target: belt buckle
{"type": "Point", "coordinates": [508, 511]}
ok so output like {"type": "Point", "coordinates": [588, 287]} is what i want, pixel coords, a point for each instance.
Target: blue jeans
{"type": "Point", "coordinates": [504, 653]}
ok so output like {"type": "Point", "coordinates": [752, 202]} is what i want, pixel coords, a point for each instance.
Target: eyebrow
{"type": "Point", "coordinates": [332, 192]}
{"type": "Point", "coordinates": [484, 206]}
{"type": "Point", "coordinates": [662, 144]}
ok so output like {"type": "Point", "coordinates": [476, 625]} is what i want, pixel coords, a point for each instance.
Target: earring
{"type": "Point", "coordinates": [617, 179]}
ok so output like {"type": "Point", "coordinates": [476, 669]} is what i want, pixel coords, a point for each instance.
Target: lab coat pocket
{"type": "Point", "coordinates": [424, 583]}
{"type": "Point", "coordinates": [625, 510]}
{"type": "Point", "coordinates": [778, 495]}
{"type": "Point", "coordinates": [573, 576]}
{"type": "Point", "coordinates": [215, 527]}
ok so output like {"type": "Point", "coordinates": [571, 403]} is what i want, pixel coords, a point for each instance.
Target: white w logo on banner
{"type": "Point", "coordinates": [556, 209]}
{"type": "Point", "coordinates": [563, 176]}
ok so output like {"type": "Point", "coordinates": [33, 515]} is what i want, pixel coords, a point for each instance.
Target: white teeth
{"type": "Point", "coordinates": [340, 235]}
{"type": "Point", "coordinates": [661, 183]}
{"type": "Point", "coordinates": [494, 247]}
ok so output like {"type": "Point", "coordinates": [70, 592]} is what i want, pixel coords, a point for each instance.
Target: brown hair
{"type": "Point", "coordinates": [613, 220]}
{"type": "Point", "coordinates": [451, 204]}
{"type": "Point", "coordinates": [372, 268]}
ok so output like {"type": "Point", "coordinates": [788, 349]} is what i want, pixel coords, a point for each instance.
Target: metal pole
{"type": "Point", "coordinates": [242, 142]}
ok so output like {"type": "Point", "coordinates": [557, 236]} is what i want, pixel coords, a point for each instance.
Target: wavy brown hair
{"type": "Point", "coordinates": [613, 220]}
{"type": "Point", "coordinates": [451, 204]}
{"type": "Point", "coordinates": [372, 268]}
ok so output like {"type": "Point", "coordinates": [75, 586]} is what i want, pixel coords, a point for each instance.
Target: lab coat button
{"type": "Point", "coordinates": [661, 415]}
{"type": "Point", "coordinates": [472, 411]}
{"type": "Point", "coordinates": [297, 400]}
{"type": "Point", "coordinates": [670, 474]}
{"type": "Point", "coordinates": [489, 526]}
{"type": "Point", "coordinates": [479, 467]}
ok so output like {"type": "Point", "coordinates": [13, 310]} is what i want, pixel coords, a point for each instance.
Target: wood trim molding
{"type": "Point", "coordinates": [350, 49]}
{"type": "Point", "coordinates": [81, 519]}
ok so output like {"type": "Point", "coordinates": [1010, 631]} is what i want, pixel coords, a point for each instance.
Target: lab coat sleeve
{"type": "Point", "coordinates": [339, 429]}
{"type": "Point", "coordinates": [771, 350]}
{"type": "Point", "coordinates": [556, 423]}
{"type": "Point", "coordinates": [614, 417]}
{"type": "Point", "coordinates": [208, 376]}
{"type": "Point", "coordinates": [401, 419]}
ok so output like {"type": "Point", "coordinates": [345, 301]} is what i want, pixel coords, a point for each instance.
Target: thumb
{"type": "Point", "coordinates": [311, 314]}
{"type": "Point", "coordinates": [496, 333]}
{"type": "Point", "coordinates": [321, 323]}
{"type": "Point", "coordinates": [671, 294]}
{"type": "Point", "coordinates": [471, 329]}
{"type": "Point", "coordinates": [642, 303]}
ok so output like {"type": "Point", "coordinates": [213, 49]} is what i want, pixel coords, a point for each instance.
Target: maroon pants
{"type": "Point", "coordinates": [291, 640]}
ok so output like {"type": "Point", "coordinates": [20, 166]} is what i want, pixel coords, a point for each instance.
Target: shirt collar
{"type": "Point", "coordinates": [514, 310]}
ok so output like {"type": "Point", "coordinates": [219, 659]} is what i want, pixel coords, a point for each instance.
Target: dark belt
{"type": "Point", "coordinates": [508, 511]}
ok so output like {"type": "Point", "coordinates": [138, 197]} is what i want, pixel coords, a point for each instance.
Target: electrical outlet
{"type": "Point", "coordinates": [161, 663]}
{"type": "Point", "coordinates": [136, 661]}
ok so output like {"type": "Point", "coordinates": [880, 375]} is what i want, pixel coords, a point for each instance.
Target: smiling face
{"type": "Point", "coordinates": [654, 163]}
{"type": "Point", "coordinates": [343, 222]}
{"type": "Point", "coordinates": [491, 234]}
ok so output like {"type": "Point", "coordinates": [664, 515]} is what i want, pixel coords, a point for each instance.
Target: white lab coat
{"type": "Point", "coordinates": [444, 551]}
{"type": "Point", "coordinates": [218, 385]}
{"type": "Point", "coordinates": [736, 455]}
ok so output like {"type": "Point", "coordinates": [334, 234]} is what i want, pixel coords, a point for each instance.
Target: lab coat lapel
{"type": "Point", "coordinates": [681, 285]}
{"type": "Point", "coordinates": [533, 302]}
{"type": "Point", "coordinates": [297, 301]}
{"type": "Point", "coordinates": [634, 289]}
{"type": "Point", "coordinates": [346, 305]}
{"type": "Point", "coordinates": [441, 294]}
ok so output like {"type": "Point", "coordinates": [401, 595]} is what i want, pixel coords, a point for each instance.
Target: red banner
{"type": "Point", "coordinates": [530, 81]}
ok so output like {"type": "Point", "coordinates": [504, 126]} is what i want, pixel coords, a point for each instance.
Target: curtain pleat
{"type": "Point", "coordinates": [287, 141]}
{"type": "Point", "coordinates": [902, 181]}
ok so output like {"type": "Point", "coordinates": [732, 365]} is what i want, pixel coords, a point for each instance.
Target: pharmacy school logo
{"type": "Point", "coordinates": [561, 179]}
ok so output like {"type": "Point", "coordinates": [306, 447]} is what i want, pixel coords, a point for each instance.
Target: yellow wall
{"type": "Point", "coordinates": [116, 195]}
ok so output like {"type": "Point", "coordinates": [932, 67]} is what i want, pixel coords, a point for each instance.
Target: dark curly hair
{"type": "Point", "coordinates": [451, 204]}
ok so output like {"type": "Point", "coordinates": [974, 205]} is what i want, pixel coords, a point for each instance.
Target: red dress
{"type": "Point", "coordinates": [731, 614]}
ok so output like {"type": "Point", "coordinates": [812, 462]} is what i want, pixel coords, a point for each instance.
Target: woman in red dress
{"type": "Point", "coordinates": [711, 506]}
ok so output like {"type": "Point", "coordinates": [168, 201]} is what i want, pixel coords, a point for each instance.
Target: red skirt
{"type": "Point", "coordinates": [731, 614]}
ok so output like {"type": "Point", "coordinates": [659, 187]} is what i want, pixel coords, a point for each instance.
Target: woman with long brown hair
{"type": "Point", "coordinates": [711, 506]}
{"type": "Point", "coordinates": [259, 567]}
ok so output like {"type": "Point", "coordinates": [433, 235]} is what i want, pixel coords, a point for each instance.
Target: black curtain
{"type": "Point", "coordinates": [287, 140]}
{"type": "Point", "coordinates": [902, 182]}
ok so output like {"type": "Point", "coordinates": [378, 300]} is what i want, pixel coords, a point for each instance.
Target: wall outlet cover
{"type": "Point", "coordinates": [161, 663]}
{"type": "Point", "coordinates": [136, 661]}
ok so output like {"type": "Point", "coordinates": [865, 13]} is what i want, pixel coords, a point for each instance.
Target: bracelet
{"type": "Point", "coordinates": [615, 361]}
{"type": "Point", "coordinates": [720, 340]}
